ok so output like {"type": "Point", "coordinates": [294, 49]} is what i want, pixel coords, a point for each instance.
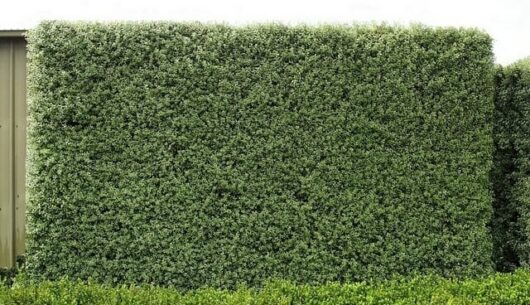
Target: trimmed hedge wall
{"type": "Point", "coordinates": [511, 175]}
{"type": "Point", "coordinates": [191, 154]}
{"type": "Point", "coordinates": [499, 289]}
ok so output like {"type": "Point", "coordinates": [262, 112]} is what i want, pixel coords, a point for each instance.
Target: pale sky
{"type": "Point", "coordinates": [507, 21]}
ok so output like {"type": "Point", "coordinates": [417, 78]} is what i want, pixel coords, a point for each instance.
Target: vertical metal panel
{"type": "Point", "coordinates": [6, 154]}
{"type": "Point", "coordinates": [12, 148]}
{"type": "Point", "coordinates": [19, 91]}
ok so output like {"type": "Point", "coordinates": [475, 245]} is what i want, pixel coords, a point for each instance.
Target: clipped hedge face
{"type": "Point", "coordinates": [512, 165]}
{"type": "Point", "coordinates": [190, 155]}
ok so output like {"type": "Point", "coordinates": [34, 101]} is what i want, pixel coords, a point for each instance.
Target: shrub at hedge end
{"type": "Point", "coordinates": [511, 179]}
{"type": "Point", "coordinates": [191, 155]}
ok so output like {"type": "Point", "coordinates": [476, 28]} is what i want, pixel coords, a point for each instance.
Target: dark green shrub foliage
{"type": "Point", "coordinates": [497, 289]}
{"type": "Point", "coordinates": [7, 275]}
{"type": "Point", "coordinates": [190, 154]}
{"type": "Point", "coordinates": [511, 174]}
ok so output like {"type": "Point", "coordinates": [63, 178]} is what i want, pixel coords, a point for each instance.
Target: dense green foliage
{"type": "Point", "coordinates": [511, 170]}
{"type": "Point", "coordinates": [510, 289]}
{"type": "Point", "coordinates": [7, 275]}
{"type": "Point", "coordinates": [191, 155]}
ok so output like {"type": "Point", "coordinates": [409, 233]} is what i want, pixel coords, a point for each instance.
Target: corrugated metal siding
{"type": "Point", "coordinates": [12, 146]}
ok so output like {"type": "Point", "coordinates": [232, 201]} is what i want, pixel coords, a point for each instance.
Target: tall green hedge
{"type": "Point", "coordinates": [511, 174]}
{"type": "Point", "coordinates": [192, 154]}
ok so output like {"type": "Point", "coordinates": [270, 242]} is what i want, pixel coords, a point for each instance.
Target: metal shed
{"type": "Point", "coordinates": [12, 145]}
